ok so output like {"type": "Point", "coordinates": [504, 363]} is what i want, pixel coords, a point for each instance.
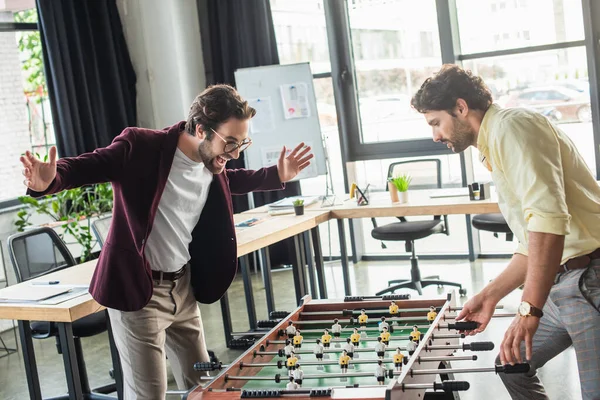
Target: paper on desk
{"type": "Point", "coordinates": [26, 293]}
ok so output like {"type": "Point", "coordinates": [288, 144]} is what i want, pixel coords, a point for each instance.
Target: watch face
{"type": "Point", "coordinates": [524, 308]}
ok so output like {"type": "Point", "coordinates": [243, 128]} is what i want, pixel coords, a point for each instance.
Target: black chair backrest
{"type": "Point", "coordinates": [37, 252]}
{"type": "Point", "coordinates": [425, 174]}
{"type": "Point", "coordinates": [101, 227]}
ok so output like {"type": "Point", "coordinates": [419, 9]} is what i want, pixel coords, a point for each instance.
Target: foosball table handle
{"type": "Point", "coordinates": [513, 369]}
{"type": "Point", "coordinates": [278, 314]}
{"type": "Point", "coordinates": [390, 297]}
{"type": "Point", "coordinates": [267, 323]}
{"type": "Point", "coordinates": [479, 346]}
{"type": "Point", "coordinates": [241, 343]}
{"type": "Point", "coordinates": [451, 386]}
{"type": "Point", "coordinates": [207, 366]}
{"type": "Point", "coordinates": [464, 326]}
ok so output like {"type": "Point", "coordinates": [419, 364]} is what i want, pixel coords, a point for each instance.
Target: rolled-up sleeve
{"type": "Point", "coordinates": [528, 151]}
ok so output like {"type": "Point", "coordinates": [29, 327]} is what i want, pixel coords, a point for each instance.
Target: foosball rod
{"type": "Point", "coordinates": [506, 369]}
{"type": "Point", "coordinates": [374, 339]}
{"type": "Point", "coordinates": [348, 312]}
{"type": "Point", "coordinates": [281, 363]}
{"type": "Point", "coordinates": [473, 346]}
{"type": "Point", "coordinates": [459, 326]}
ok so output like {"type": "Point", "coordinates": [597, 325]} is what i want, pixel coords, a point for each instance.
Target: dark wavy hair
{"type": "Point", "coordinates": [449, 84]}
{"type": "Point", "coordinates": [215, 105]}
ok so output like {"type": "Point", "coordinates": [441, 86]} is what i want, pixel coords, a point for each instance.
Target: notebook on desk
{"type": "Point", "coordinates": [31, 293]}
{"type": "Point", "coordinates": [454, 192]}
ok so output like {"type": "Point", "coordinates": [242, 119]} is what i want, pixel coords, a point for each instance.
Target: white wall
{"type": "Point", "coordinates": [163, 37]}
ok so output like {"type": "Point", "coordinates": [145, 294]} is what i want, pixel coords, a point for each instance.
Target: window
{"type": "Point", "coordinates": [394, 50]}
{"type": "Point", "coordinates": [25, 117]}
{"type": "Point", "coordinates": [542, 21]}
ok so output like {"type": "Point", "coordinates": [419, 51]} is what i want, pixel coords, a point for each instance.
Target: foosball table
{"type": "Point", "coordinates": [414, 364]}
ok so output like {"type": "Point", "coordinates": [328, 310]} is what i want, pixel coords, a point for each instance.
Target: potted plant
{"type": "Point", "coordinates": [401, 184]}
{"type": "Point", "coordinates": [299, 206]}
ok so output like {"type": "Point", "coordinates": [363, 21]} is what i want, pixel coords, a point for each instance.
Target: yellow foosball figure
{"type": "Point", "coordinates": [431, 314]}
{"type": "Point", "coordinates": [393, 308]}
{"type": "Point", "coordinates": [326, 338]}
{"type": "Point", "coordinates": [415, 335]}
{"type": "Point", "coordinates": [291, 362]}
{"type": "Point", "coordinates": [398, 358]}
{"type": "Point", "coordinates": [385, 336]}
{"type": "Point", "coordinates": [355, 337]}
{"type": "Point", "coordinates": [297, 339]}
{"type": "Point", "coordinates": [363, 318]}
{"type": "Point", "coordinates": [344, 359]}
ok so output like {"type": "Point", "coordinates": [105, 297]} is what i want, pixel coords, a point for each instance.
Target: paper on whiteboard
{"type": "Point", "coordinates": [263, 120]}
{"type": "Point", "coordinates": [295, 100]}
{"type": "Point", "coordinates": [270, 155]}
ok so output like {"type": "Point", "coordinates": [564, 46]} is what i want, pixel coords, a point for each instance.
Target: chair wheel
{"type": "Point", "coordinates": [111, 372]}
{"type": "Point", "coordinates": [462, 291]}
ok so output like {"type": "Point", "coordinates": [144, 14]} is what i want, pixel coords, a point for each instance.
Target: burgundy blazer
{"type": "Point", "coordinates": [137, 163]}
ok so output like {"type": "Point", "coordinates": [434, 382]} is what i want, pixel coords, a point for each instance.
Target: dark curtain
{"type": "Point", "coordinates": [91, 82]}
{"type": "Point", "coordinates": [239, 34]}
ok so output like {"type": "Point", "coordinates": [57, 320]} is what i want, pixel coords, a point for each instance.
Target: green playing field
{"type": "Point", "coordinates": [398, 338]}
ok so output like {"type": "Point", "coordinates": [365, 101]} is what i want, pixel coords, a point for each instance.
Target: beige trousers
{"type": "Point", "coordinates": [171, 321]}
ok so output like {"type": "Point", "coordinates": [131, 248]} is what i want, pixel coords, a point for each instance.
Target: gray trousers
{"type": "Point", "coordinates": [569, 319]}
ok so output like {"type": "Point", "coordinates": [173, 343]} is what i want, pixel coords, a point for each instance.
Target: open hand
{"type": "Point", "coordinates": [521, 329]}
{"type": "Point", "coordinates": [38, 174]}
{"type": "Point", "coordinates": [479, 309]}
{"type": "Point", "coordinates": [290, 166]}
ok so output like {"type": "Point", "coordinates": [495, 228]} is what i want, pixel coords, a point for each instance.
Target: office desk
{"type": "Point", "coordinates": [64, 314]}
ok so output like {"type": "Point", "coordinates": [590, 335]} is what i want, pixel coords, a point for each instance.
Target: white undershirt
{"type": "Point", "coordinates": [178, 213]}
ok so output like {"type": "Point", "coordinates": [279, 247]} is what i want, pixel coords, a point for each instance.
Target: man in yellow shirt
{"type": "Point", "coordinates": [393, 308]}
{"type": "Point", "coordinates": [415, 335]}
{"type": "Point", "coordinates": [291, 362]}
{"type": "Point", "coordinates": [385, 336]}
{"type": "Point", "coordinates": [326, 338]}
{"type": "Point", "coordinates": [363, 318]}
{"type": "Point", "coordinates": [431, 314]}
{"type": "Point", "coordinates": [551, 201]}
{"type": "Point", "coordinates": [398, 358]}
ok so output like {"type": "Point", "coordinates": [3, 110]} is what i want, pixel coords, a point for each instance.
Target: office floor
{"type": "Point", "coordinates": [559, 375]}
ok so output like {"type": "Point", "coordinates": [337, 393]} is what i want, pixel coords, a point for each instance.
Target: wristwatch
{"type": "Point", "coordinates": [527, 310]}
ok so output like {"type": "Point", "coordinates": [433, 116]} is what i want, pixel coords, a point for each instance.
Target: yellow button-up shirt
{"type": "Point", "coordinates": [543, 183]}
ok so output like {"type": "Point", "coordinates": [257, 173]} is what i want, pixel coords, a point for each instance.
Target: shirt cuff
{"type": "Point", "coordinates": [521, 249]}
{"type": "Point", "coordinates": [558, 224]}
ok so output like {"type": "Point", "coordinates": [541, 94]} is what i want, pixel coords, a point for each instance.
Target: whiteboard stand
{"type": "Point", "coordinates": [329, 198]}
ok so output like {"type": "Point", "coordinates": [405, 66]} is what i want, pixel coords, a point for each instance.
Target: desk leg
{"type": "Point", "coordinates": [226, 314]}
{"type": "Point", "coordinates": [116, 361]}
{"type": "Point", "coordinates": [316, 242]}
{"type": "Point", "coordinates": [65, 332]}
{"type": "Point", "coordinates": [266, 271]}
{"type": "Point", "coordinates": [311, 265]}
{"type": "Point", "coordinates": [298, 272]}
{"type": "Point", "coordinates": [248, 291]}
{"type": "Point", "coordinates": [344, 255]}
{"type": "Point", "coordinates": [33, 379]}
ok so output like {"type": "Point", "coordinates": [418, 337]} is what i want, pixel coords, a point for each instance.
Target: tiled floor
{"type": "Point", "coordinates": [559, 375]}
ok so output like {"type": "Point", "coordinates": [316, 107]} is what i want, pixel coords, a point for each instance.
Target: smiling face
{"type": "Point", "coordinates": [453, 131]}
{"type": "Point", "coordinates": [211, 148]}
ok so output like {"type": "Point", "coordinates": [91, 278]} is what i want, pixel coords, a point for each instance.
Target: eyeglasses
{"type": "Point", "coordinates": [230, 147]}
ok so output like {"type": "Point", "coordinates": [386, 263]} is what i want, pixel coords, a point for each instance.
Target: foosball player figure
{"type": "Point", "coordinates": [290, 330]}
{"type": "Point", "coordinates": [385, 336]}
{"type": "Point", "coordinates": [326, 338]}
{"type": "Point", "coordinates": [298, 375]}
{"type": "Point", "coordinates": [344, 359]}
{"type": "Point", "coordinates": [380, 348]}
{"type": "Point", "coordinates": [349, 348]}
{"type": "Point", "coordinates": [383, 324]}
{"type": "Point", "coordinates": [411, 347]}
{"type": "Point", "coordinates": [318, 350]}
{"type": "Point", "coordinates": [393, 308]}
{"type": "Point", "coordinates": [289, 348]}
{"type": "Point", "coordinates": [431, 314]}
{"type": "Point", "coordinates": [291, 385]}
{"type": "Point", "coordinates": [363, 318]}
{"type": "Point", "coordinates": [380, 373]}
{"type": "Point", "coordinates": [291, 362]}
{"type": "Point", "coordinates": [398, 357]}
{"type": "Point", "coordinates": [415, 335]}
{"type": "Point", "coordinates": [297, 339]}
{"type": "Point", "coordinates": [355, 337]}
{"type": "Point", "coordinates": [336, 328]}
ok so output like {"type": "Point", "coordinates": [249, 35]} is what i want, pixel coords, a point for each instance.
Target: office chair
{"type": "Point", "coordinates": [493, 222]}
{"type": "Point", "coordinates": [409, 231]}
{"type": "Point", "coordinates": [38, 252]}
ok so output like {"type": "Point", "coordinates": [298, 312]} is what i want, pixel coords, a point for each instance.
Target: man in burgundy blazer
{"type": "Point", "coordinates": [151, 302]}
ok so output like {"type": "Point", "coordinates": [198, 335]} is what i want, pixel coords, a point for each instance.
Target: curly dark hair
{"type": "Point", "coordinates": [449, 84]}
{"type": "Point", "coordinates": [215, 105]}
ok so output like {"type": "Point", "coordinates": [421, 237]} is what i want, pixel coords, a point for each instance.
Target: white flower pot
{"type": "Point", "coordinates": [403, 196]}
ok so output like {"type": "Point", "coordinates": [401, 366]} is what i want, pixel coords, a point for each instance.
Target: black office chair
{"type": "Point", "coordinates": [493, 222]}
{"type": "Point", "coordinates": [41, 251]}
{"type": "Point", "coordinates": [426, 174]}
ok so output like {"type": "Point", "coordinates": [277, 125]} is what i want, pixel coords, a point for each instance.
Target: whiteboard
{"type": "Point", "coordinates": [286, 114]}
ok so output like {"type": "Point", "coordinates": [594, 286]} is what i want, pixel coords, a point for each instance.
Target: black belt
{"type": "Point", "coordinates": [168, 276]}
